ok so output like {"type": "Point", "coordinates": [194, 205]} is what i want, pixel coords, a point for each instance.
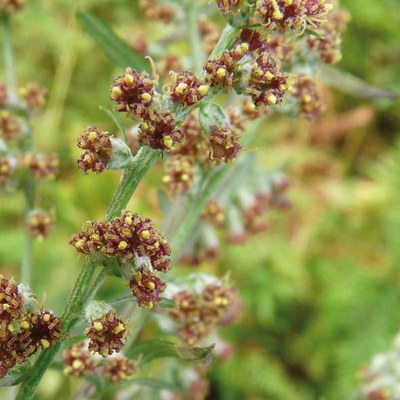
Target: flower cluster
{"type": "Point", "coordinates": [198, 313]}
{"type": "Point", "coordinates": [308, 93]}
{"type": "Point", "coordinates": [289, 15]}
{"type": "Point", "coordinates": [130, 237]}
{"type": "Point", "coordinates": [223, 145]}
{"type": "Point", "coordinates": [39, 224]}
{"type": "Point", "coordinates": [107, 334]}
{"type": "Point", "coordinates": [23, 331]}
{"type": "Point", "coordinates": [179, 174]}
{"type": "Point", "coordinates": [229, 6]}
{"type": "Point", "coordinates": [186, 89]}
{"type": "Point", "coordinates": [10, 127]}
{"type": "Point", "coordinates": [79, 362]}
{"type": "Point", "coordinates": [213, 214]}
{"type": "Point", "coordinates": [97, 150]}
{"type": "Point", "coordinates": [34, 95]}
{"type": "Point", "coordinates": [6, 170]}
{"type": "Point", "coordinates": [42, 166]}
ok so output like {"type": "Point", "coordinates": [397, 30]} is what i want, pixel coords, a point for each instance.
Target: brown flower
{"type": "Point", "coordinates": [119, 369]}
{"type": "Point", "coordinates": [78, 361]}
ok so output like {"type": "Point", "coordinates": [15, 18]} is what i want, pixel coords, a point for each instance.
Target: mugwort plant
{"type": "Point", "coordinates": [197, 116]}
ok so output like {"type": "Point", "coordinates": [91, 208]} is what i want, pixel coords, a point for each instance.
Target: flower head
{"type": "Point", "coordinates": [10, 128]}
{"type": "Point", "coordinates": [186, 89]}
{"type": "Point", "coordinates": [91, 238]}
{"type": "Point", "coordinates": [179, 174]}
{"type": "Point", "coordinates": [223, 145]}
{"type": "Point", "coordinates": [39, 224]}
{"type": "Point", "coordinates": [107, 334]}
{"type": "Point", "coordinates": [34, 95]}
{"type": "Point", "coordinates": [42, 166]}
{"type": "Point", "coordinates": [78, 361]}
{"type": "Point", "coordinates": [119, 369]}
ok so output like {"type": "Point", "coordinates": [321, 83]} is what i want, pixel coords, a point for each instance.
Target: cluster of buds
{"type": "Point", "coordinates": [23, 331]}
{"type": "Point", "coordinates": [79, 362]}
{"type": "Point", "coordinates": [39, 224]}
{"type": "Point", "coordinates": [107, 334]}
{"type": "Point", "coordinates": [186, 89]}
{"type": "Point", "coordinates": [10, 127]}
{"type": "Point", "coordinates": [267, 84]}
{"type": "Point", "coordinates": [34, 95]}
{"type": "Point", "coordinates": [130, 237]}
{"type": "Point", "coordinates": [42, 166]}
{"type": "Point", "coordinates": [221, 72]}
{"type": "Point", "coordinates": [97, 150]}
{"type": "Point", "coordinates": [198, 313]}
{"type": "Point", "coordinates": [11, 6]}
{"type": "Point", "coordinates": [293, 15]}
{"type": "Point", "coordinates": [154, 9]}
{"type": "Point", "coordinates": [229, 6]}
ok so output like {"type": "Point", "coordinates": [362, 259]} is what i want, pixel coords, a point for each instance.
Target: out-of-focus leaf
{"type": "Point", "coordinates": [153, 349]}
{"type": "Point", "coordinates": [211, 115]}
{"type": "Point", "coordinates": [163, 201]}
{"type": "Point", "coordinates": [167, 303]}
{"type": "Point", "coordinates": [118, 123]}
{"type": "Point", "coordinates": [121, 154]}
{"type": "Point", "coordinates": [16, 375]}
{"type": "Point", "coordinates": [73, 340]}
{"type": "Point", "coordinates": [116, 49]}
{"type": "Point", "coordinates": [350, 84]}
{"type": "Point", "coordinates": [150, 382]}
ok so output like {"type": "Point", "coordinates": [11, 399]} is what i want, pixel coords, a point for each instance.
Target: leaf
{"type": "Point", "coordinates": [350, 84]}
{"type": "Point", "coordinates": [16, 375]}
{"type": "Point", "coordinates": [118, 123]}
{"type": "Point", "coordinates": [118, 51]}
{"type": "Point", "coordinates": [153, 349]}
{"type": "Point", "coordinates": [211, 115]}
{"type": "Point", "coordinates": [121, 155]}
{"type": "Point", "coordinates": [73, 340]}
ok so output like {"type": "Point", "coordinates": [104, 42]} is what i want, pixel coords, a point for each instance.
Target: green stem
{"type": "Point", "coordinates": [195, 39]}
{"type": "Point", "coordinates": [144, 160]}
{"type": "Point", "coordinates": [8, 58]}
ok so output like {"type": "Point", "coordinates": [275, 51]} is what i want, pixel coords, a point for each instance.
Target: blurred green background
{"type": "Point", "coordinates": [322, 287]}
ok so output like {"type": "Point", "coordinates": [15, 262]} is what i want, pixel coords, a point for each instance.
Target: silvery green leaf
{"type": "Point", "coordinates": [211, 115]}
{"type": "Point", "coordinates": [121, 154]}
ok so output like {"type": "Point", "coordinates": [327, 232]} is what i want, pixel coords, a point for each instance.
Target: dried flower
{"type": "Point", "coordinates": [42, 166]}
{"type": "Point", "coordinates": [133, 93]}
{"type": "Point", "coordinates": [119, 369]}
{"type": "Point", "coordinates": [39, 224]}
{"type": "Point", "coordinates": [10, 128]}
{"type": "Point", "coordinates": [107, 334]}
{"type": "Point", "coordinates": [186, 89]}
{"type": "Point", "coordinates": [146, 287]}
{"type": "Point", "coordinates": [154, 9]}
{"type": "Point", "coordinates": [34, 95]}
{"type": "Point", "coordinates": [78, 361]}
{"type": "Point", "coordinates": [97, 146]}
{"type": "Point", "coordinates": [159, 131]}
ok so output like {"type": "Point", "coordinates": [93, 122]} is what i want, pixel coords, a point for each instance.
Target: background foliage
{"type": "Point", "coordinates": [321, 288]}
